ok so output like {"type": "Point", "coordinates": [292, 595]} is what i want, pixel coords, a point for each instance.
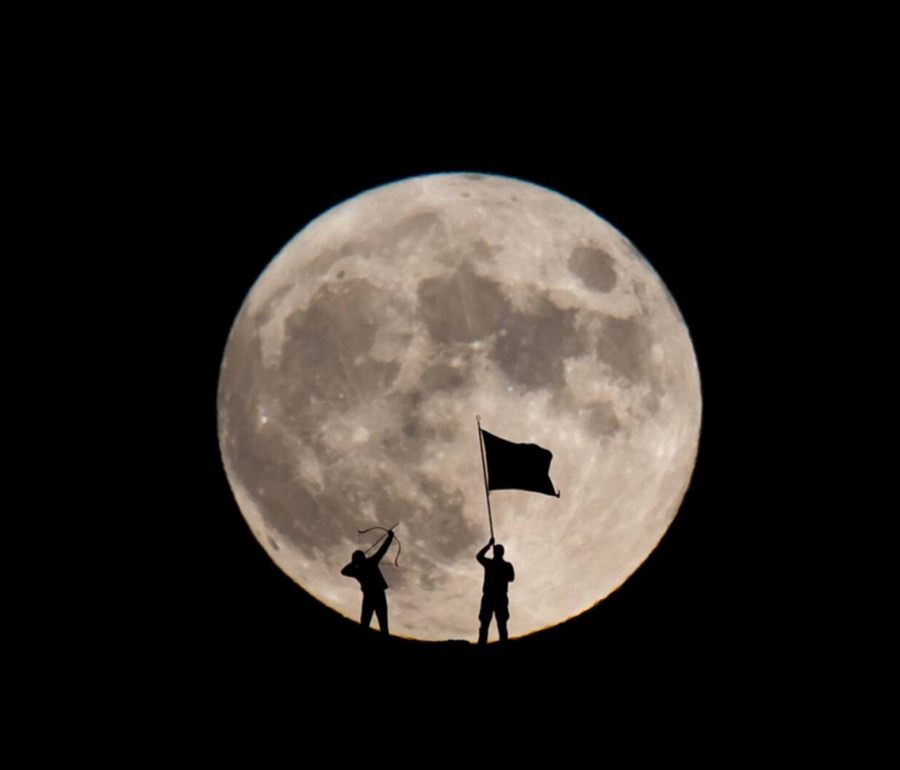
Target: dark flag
{"type": "Point", "coordinates": [517, 466]}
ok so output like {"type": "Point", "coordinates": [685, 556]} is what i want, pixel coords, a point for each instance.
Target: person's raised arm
{"type": "Point", "coordinates": [379, 554]}
{"type": "Point", "coordinates": [480, 555]}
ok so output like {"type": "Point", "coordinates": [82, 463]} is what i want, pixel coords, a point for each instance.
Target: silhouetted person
{"type": "Point", "coordinates": [372, 583]}
{"type": "Point", "coordinates": [498, 574]}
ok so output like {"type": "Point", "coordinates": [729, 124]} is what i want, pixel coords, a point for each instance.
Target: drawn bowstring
{"type": "Point", "coordinates": [374, 545]}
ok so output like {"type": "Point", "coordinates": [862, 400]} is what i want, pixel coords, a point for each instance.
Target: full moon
{"type": "Point", "coordinates": [359, 360]}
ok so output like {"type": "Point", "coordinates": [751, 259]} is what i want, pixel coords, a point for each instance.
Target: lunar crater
{"type": "Point", "coordinates": [595, 267]}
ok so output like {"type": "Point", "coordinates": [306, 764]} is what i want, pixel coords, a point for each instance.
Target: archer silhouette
{"type": "Point", "coordinates": [498, 574]}
{"type": "Point", "coordinates": [372, 583]}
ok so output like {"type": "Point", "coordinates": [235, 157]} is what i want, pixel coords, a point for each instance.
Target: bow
{"type": "Point", "coordinates": [386, 530]}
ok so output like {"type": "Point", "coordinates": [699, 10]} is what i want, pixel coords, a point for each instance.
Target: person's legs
{"type": "Point", "coordinates": [380, 603]}
{"type": "Point", "coordinates": [501, 612]}
{"type": "Point", "coordinates": [484, 615]}
{"type": "Point", "coordinates": [367, 608]}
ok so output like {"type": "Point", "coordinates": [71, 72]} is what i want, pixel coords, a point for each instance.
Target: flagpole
{"type": "Point", "coordinates": [487, 493]}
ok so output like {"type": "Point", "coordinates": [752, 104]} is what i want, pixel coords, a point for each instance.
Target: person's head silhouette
{"type": "Point", "coordinates": [499, 551]}
{"type": "Point", "coordinates": [358, 557]}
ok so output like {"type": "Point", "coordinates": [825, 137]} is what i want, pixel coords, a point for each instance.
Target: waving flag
{"type": "Point", "coordinates": [517, 466]}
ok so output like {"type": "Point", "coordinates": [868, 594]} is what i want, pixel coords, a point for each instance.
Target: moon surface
{"type": "Point", "coordinates": [357, 364]}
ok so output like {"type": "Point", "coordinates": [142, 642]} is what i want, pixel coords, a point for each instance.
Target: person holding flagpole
{"type": "Point", "coordinates": [498, 574]}
{"type": "Point", "coordinates": [506, 465]}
